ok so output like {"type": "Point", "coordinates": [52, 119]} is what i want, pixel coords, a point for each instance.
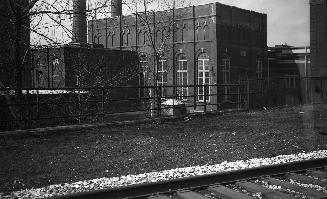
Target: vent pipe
{"type": "Point", "coordinates": [116, 8]}
{"type": "Point", "coordinates": [79, 22]}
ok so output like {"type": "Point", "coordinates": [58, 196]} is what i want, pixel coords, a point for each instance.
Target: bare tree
{"type": "Point", "coordinates": [43, 19]}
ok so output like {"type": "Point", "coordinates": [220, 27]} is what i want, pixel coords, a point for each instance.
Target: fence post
{"type": "Point", "coordinates": [79, 105]}
{"type": "Point", "coordinates": [159, 100]}
{"type": "Point", "coordinates": [205, 98]}
{"type": "Point", "coordinates": [238, 96]}
{"type": "Point", "coordinates": [38, 103]}
{"type": "Point", "coordinates": [248, 94]}
{"type": "Point", "coordinates": [28, 110]}
{"type": "Point", "coordinates": [102, 103]}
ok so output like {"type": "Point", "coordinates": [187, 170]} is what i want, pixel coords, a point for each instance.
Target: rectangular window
{"type": "Point", "coordinates": [182, 79]}
{"type": "Point", "coordinates": [259, 69]}
{"type": "Point", "coordinates": [144, 77]}
{"type": "Point", "coordinates": [162, 76]}
{"type": "Point", "coordinates": [290, 80]}
{"type": "Point", "coordinates": [226, 78]}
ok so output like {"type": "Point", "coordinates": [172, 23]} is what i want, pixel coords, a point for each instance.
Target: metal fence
{"type": "Point", "coordinates": [34, 108]}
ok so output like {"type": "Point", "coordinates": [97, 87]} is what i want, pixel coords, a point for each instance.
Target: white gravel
{"type": "Point", "coordinates": [104, 183]}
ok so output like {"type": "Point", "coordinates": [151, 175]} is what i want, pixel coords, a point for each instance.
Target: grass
{"type": "Point", "coordinates": [39, 160]}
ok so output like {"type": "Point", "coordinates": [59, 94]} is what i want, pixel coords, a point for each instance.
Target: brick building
{"type": "Point", "coordinates": [198, 45]}
{"type": "Point", "coordinates": [288, 69]}
{"type": "Point", "coordinates": [318, 43]}
{"type": "Point", "coordinates": [72, 66]}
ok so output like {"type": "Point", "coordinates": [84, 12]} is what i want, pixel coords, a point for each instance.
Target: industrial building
{"type": "Point", "coordinates": [288, 69]}
{"type": "Point", "coordinates": [197, 45]}
{"type": "Point", "coordinates": [318, 44]}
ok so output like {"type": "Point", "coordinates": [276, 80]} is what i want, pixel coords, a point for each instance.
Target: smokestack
{"type": "Point", "coordinates": [79, 22]}
{"type": "Point", "coordinates": [116, 8]}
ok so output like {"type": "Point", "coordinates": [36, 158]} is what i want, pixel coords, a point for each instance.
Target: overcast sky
{"type": "Point", "coordinates": [288, 20]}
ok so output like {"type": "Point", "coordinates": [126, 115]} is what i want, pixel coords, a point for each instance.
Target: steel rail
{"type": "Point", "coordinates": [141, 190]}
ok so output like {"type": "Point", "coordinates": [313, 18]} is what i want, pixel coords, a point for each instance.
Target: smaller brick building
{"type": "Point", "coordinates": [73, 66]}
{"type": "Point", "coordinates": [103, 80]}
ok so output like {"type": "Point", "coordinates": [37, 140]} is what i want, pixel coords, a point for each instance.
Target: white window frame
{"type": "Point", "coordinates": [203, 71]}
{"type": "Point", "coordinates": [162, 73]}
{"type": "Point", "coordinates": [144, 66]}
{"type": "Point", "coordinates": [182, 92]}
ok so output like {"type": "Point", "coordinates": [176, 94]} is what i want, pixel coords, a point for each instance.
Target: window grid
{"type": "Point", "coordinates": [144, 75]}
{"type": "Point", "coordinates": [182, 77]}
{"type": "Point", "coordinates": [259, 69]}
{"type": "Point", "coordinates": [290, 80]}
{"type": "Point", "coordinates": [162, 76]}
{"type": "Point", "coordinates": [203, 77]}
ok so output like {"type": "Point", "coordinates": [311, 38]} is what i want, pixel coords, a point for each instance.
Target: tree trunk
{"type": "Point", "coordinates": [18, 61]}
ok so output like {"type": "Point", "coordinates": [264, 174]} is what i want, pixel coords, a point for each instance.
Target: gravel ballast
{"type": "Point", "coordinates": [43, 160]}
{"type": "Point", "coordinates": [105, 183]}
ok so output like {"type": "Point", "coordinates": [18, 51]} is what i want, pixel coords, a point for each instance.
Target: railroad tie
{"type": "Point", "coordinates": [190, 195]}
{"type": "Point", "coordinates": [318, 174]}
{"type": "Point", "coordinates": [287, 185]}
{"type": "Point", "coordinates": [158, 197]}
{"type": "Point", "coordinates": [269, 193]}
{"type": "Point", "coordinates": [228, 193]}
{"type": "Point", "coordinates": [305, 179]}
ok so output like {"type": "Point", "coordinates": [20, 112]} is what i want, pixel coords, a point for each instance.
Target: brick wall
{"type": "Point", "coordinates": [215, 29]}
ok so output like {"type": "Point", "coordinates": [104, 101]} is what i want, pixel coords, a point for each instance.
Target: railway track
{"type": "Point", "coordinates": [305, 179]}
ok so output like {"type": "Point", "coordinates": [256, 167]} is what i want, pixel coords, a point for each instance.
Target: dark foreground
{"type": "Point", "coordinates": [39, 160]}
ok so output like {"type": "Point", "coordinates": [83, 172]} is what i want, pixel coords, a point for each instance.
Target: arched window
{"type": "Point", "coordinates": [226, 77]}
{"type": "Point", "coordinates": [125, 37]}
{"type": "Point", "coordinates": [182, 76]}
{"type": "Point", "coordinates": [128, 39]}
{"type": "Point", "coordinates": [145, 38]}
{"type": "Point", "coordinates": [203, 77]}
{"type": "Point", "coordinates": [164, 35]}
{"type": "Point", "coordinates": [158, 36]}
{"type": "Point", "coordinates": [206, 32]}
{"type": "Point", "coordinates": [162, 75]}
{"type": "Point", "coordinates": [97, 38]}
{"type": "Point", "coordinates": [178, 31]}
{"type": "Point", "coordinates": [109, 41]}
{"type": "Point", "coordinates": [98, 35]}
{"type": "Point", "coordinates": [113, 39]}
{"type": "Point", "coordinates": [184, 32]}
{"type": "Point", "coordinates": [198, 33]}
{"type": "Point", "coordinates": [139, 38]}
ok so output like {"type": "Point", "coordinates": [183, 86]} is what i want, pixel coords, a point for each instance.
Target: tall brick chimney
{"type": "Point", "coordinates": [79, 22]}
{"type": "Point", "coordinates": [116, 8]}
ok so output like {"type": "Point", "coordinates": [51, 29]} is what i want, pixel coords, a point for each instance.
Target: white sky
{"type": "Point", "coordinates": [288, 20]}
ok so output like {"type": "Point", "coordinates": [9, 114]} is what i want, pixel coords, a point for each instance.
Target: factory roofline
{"type": "Point", "coordinates": [169, 10]}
